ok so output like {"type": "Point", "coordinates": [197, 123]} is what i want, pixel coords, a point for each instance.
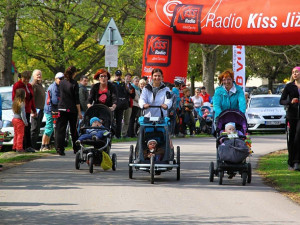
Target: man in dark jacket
{"type": "Point", "coordinates": [123, 101]}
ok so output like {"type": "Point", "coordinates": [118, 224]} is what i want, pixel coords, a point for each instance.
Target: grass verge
{"type": "Point", "coordinates": [274, 169]}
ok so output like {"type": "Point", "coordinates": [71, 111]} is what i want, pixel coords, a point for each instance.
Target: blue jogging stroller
{"type": "Point", "coordinates": [156, 128]}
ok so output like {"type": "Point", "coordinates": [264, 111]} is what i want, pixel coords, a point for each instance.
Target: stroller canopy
{"type": "Point", "coordinates": [100, 111]}
{"type": "Point", "coordinates": [232, 115]}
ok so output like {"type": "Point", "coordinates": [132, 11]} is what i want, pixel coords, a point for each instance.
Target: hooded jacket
{"type": "Point", "coordinates": [224, 100]}
{"type": "Point", "coordinates": [289, 92]}
{"type": "Point", "coordinates": [163, 96]}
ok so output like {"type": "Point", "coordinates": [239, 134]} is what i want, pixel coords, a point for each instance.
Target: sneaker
{"type": "Point", "coordinates": [46, 148]}
{"type": "Point", "coordinates": [20, 151]}
{"type": "Point", "coordinates": [42, 147]}
{"type": "Point", "coordinates": [291, 168]}
{"type": "Point", "coordinates": [29, 149]}
{"type": "Point", "coordinates": [296, 166]}
{"type": "Point", "coordinates": [61, 153]}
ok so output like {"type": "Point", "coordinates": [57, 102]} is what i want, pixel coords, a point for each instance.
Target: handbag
{"type": "Point", "coordinates": [122, 103]}
{"type": "Point", "coordinates": [106, 163]}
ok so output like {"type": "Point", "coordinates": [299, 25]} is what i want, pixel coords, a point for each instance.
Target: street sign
{"type": "Point", "coordinates": [111, 56]}
{"type": "Point", "coordinates": [111, 35]}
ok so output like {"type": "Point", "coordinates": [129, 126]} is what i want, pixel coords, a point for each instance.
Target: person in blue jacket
{"type": "Point", "coordinates": [228, 95]}
{"type": "Point", "coordinates": [51, 108]}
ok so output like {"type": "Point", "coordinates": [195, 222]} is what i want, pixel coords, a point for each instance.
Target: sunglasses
{"type": "Point", "coordinates": [61, 78]}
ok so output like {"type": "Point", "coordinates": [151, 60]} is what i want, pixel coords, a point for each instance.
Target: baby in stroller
{"type": "Point", "coordinates": [96, 133]}
{"type": "Point", "coordinates": [95, 139]}
{"type": "Point", "coordinates": [153, 150]}
{"type": "Point", "coordinates": [232, 148]}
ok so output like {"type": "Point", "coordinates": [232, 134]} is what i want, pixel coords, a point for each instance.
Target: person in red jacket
{"type": "Point", "coordinates": [29, 106]}
{"type": "Point", "coordinates": [206, 97]}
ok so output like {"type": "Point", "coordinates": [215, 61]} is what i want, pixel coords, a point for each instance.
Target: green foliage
{"type": "Point", "coordinates": [272, 62]}
{"type": "Point", "coordinates": [55, 34]}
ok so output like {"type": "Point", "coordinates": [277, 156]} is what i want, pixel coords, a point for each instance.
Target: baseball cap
{"type": "Point", "coordinates": [59, 75]}
{"type": "Point", "coordinates": [118, 73]}
{"type": "Point", "coordinates": [93, 119]}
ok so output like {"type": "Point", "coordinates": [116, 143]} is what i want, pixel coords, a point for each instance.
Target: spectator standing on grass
{"type": "Point", "coordinates": [83, 93]}
{"type": "Point", "coordinates": [39, 100]}
{"type": "Point", "coordinates": [83, 96]}
{"type": "Point", "coordinates": [50, 110]}
{"type": "Point", "coordinates": [205, 96]}
{"type": "Point", "coordinates": [19, 120]}
{"type": "Point", "coordinates": [69, 111]}
{"type": "Point", "coordinates": [30, 108]}
{"type": "Point", "coordinates": [290, 98]}
{"type": "Point", "coordinates": [135, 107]}
{"type": "Point", "coordinates": [128, 111]}
{"type": "Point", "coordinates": [122, 103]}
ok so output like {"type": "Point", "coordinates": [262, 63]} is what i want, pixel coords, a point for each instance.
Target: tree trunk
{"type": "Point", "coordinates": [209, 57]}
{"type": "Point", "coordinates": [8, 33]}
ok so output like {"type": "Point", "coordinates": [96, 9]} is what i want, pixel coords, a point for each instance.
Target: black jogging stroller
{"type": "Point", "coordinates": [232, 150]}
{"type": "Point", "coordinates": [91, 151]}
{"type": "Point", "coordinates": [156, 128]}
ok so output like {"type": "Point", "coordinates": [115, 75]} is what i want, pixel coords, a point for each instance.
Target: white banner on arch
{"type": "Point", "coordinates": [238, 65]}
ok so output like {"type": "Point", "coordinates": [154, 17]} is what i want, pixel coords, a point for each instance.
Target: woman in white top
{"type": "Point", "coordinates": [198, 101]}
{"type": "Point", "coordinates": [156, 93]}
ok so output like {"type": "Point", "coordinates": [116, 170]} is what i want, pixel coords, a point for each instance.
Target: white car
{"type": "Point", "coordinates": [264, 113]}
{"type": "Point", "coordinates": [7, 116]}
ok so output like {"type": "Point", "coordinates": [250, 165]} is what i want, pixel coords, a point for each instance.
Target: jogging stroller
{"type": "Point", "coordinates": [233, 150]}
{"type": "Point", "coordinates": [156, 128]}
{"type": "Point", "coordinates": [91, 151]}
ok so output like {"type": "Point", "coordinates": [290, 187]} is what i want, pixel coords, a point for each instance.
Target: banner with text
{"type": "Point", "coordinates": [238, 65]}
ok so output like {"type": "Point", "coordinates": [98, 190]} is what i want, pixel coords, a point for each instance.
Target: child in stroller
{"type": "Point", "coordinates": [232, 150]}
{"type": "Point", "coordinates": [153, 150]}
{"type": "Point", "coordinates": [204, 115]}
{"type": "Point", "coordinates": [96, 133]}
{"type": "Point", "coordinates": [95, 139]}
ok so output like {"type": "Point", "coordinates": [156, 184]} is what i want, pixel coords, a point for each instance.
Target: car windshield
{"type": "Point", "coordinates": [265, 102]}
{"type": "Point", "coordinates": [6, 100]}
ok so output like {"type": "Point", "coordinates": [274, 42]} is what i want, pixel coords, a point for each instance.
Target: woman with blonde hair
{"type": "Point", "coordinates": [19, 120]}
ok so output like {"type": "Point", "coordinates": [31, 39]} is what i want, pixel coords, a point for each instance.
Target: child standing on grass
{"type": "Point", "coordinates": [19, 120]}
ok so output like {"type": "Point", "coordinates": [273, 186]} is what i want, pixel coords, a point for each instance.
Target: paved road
{"type": "Point", "coordinates": [51, 191]}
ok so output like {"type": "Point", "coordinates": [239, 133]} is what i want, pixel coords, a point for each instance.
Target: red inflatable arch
{"type": "Point", "coordinates": [172, 24]}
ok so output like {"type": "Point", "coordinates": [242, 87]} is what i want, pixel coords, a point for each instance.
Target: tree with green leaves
{"type": "Point", "coordinates": [52, 35]}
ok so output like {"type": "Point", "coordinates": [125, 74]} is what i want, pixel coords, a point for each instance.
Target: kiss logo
{"type": "Point", "coordinates": [158, 50]}
{"type": "Point", "coordinates": [186, 19]}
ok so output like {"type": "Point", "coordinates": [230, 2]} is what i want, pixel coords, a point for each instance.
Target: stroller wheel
{"type": "Point", "coordinates": [244, 177]}
{"type": "Point", "coordinates": [249, 178]}
{"type": "Point", "coordinates": [130, 161]}
{"type": "Point", "coordinates": [77, 161]}
{"type": "Point", "coordinates": [152, 169]}
{"type": "Point", "coordinates": [114, 161]}
{"type": "Point", "coordinates": [211, 172]}
{"type": "Point", "coordinates": [221, 175]}
{"type": "Point", "coordinates": [91, 164]}
{"type": "Point", "coordinates": [178, 162]}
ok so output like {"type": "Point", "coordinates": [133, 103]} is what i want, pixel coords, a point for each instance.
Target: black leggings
{"type": "Point", "coordinates": [27, 133]}
{"type": "Point", "coordinates": [61, 126]}
{"type": "Point", "coordinates": [294, 142]}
